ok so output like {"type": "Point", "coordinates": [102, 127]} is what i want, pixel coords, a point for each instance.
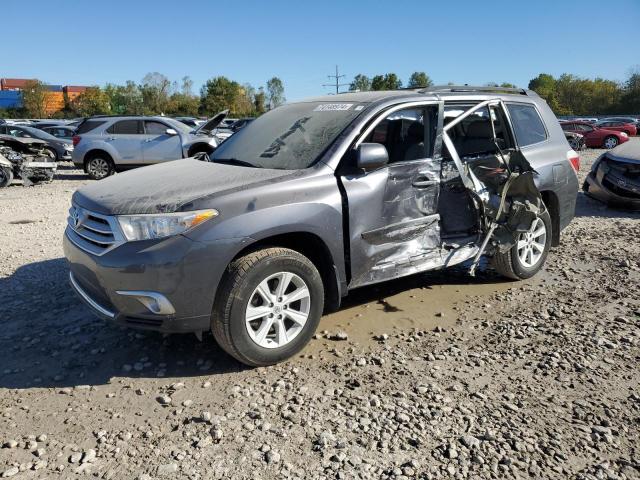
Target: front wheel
{"type": "Point", "coordinates": [268, 307]}
{"type": "Point", "coordinates": [51, 153]}
{"type": "Point", "coordinates": [529, 253]}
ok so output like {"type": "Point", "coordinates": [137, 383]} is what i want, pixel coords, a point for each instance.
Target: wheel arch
{"type": "Point", "coordinates": [200, 147]}
{"type": "Point", "coordinates": [315, 249]}
{"type": "Point", "coordinates": [551, 201]}
{"type": "Point", "coordinates": [91, 153]}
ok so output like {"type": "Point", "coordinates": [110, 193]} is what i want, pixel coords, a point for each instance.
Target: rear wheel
{"type": "Point", "coordinates": [610, 142]}
{"type": "Point", "coordinates": [6, 176]}
{"type": "Point", "coordinates": [268, 307]}
{"type": "Point", "coordinates": [529, 253]}
{"type": "Point", "coordinates": [99, 166]}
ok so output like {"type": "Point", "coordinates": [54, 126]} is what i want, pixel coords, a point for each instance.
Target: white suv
{"type": "Point", "coordinates": [106, 144]}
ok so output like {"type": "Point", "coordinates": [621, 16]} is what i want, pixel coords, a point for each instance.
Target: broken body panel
{"type": "Point", "coordinates": [26, 160]}
{"type": "Point", "coordinates": [395, 215]}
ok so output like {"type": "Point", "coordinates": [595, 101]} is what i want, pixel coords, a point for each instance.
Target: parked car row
{"type": "Point", "coordinates": [595, 136]}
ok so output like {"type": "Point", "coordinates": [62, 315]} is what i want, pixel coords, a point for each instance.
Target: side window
{"type": "Point", "coordinates": [567, 126]}
{"type": "Point", "coordinates": [584, 128]}
{"type": "Point", "coordinates": [154, 128]}
{"type": "Point", "coordinates": [527, 124]}
{"type": "Point", "coordinates": [474, 135]}
{"type": "Point", "coordinates": [407, 134]}
{"type": "Point", "coordinates": [125, 127]}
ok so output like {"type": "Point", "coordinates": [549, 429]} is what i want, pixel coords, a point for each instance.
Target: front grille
{"type": "Point", "coordinates": [92, 232]}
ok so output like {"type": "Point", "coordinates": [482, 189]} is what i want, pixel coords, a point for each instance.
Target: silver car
{"type": "Point", "coordinates": [108, 144]}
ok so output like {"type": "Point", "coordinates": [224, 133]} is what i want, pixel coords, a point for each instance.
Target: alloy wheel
{"type": "Point", "coordinates": [531, 244]}
{"type": "Point", "coordinates": [610, 142]}
{"type": "Point", "coordinates": [278, 310]}
{"type": "Point", "coordinates": [98, 167]}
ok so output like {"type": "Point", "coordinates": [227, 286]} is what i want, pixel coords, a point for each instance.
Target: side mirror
{"type": "Point", "coordinates": [171, 131]}
{"type": "Point", "coordinates": [370, 156]}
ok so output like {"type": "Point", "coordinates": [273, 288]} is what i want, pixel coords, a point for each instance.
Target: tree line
{"type": "Point", "coordinates": [567, 94]}
{"type": "Point", "coordinates": [156, 94]}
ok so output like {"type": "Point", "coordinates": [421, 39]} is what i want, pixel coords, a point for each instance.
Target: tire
{"type": "Point", "coordinates": [6, 176]}
{"type": "Point", "coordinates": [99, 166]}
{"type": "Point", "coordinates": [511, 264]}
{"type": "Point", "coordinates": [51, 153]}
{"type": "Point", "coordinates": [574, 144]}
{"type": "Point", "coordinates": [272, 336]}
{"type": "Point", "coordinates": [610, 142]}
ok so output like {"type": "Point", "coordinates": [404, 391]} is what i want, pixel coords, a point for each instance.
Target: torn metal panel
{"type": "Point", "coordinates": [502, 182]}
{"type": "Point", "coordinates": [25, 158]}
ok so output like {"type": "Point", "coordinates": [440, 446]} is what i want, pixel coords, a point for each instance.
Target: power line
{"type": "Point", "coordinates": [337, 85]}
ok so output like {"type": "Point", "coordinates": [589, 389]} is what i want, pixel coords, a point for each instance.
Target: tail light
{"type": "Point", "coordinates": [574, 160]}
{"type": "Point", "coordinates": [76, 140]}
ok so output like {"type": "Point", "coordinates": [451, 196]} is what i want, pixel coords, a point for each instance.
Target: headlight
{"type": "Point", "coordinates": [147, 227]}
{"type": "Point", "coordinates": [68, 147]}
{"type": "Point", "coordinates": [624, 134]}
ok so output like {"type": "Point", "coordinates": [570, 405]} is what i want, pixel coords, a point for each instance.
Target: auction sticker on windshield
{"type": "Point", "coordinates": [332, 107]}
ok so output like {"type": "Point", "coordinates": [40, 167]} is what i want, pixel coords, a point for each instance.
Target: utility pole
{"type": "Point", "coordinates": [337, 84]}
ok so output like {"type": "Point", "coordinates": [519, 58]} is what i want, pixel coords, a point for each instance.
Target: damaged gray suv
{"type": "Point", "coordinates": [319, 197]}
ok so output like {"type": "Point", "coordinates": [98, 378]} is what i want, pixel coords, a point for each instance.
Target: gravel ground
{"type": "Point", "coordinates": [435, 376]}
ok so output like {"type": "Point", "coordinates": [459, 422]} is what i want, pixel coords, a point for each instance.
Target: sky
{"type": "Point", "coordinates": [77, 42]}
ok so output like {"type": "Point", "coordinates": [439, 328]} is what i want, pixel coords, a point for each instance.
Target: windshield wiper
{"type": "Point", "coordinates": [235, 161]}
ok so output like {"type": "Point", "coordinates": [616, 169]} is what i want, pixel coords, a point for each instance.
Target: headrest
{"type": "Point", "coordinates": [480, 129]}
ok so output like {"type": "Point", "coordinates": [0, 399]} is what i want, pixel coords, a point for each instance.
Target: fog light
{"type": "Point", "coordinates": [155, 302]}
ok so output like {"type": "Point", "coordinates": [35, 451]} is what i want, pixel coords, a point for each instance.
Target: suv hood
{"type": "Point", "coordinates": [208, 126]}
{"type": "Point", "coordinates": [168, 187]}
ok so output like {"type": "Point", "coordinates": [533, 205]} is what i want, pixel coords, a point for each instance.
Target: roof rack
{"type": "Point", "coordinates": [469, 88]}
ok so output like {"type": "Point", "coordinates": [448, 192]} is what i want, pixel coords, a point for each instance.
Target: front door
{"type": "Point", "coordinates": [158, 145]}
{"type": "Point", "coordinates": [393, 220]}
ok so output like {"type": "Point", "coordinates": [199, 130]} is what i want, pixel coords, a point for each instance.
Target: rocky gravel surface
{"type": "Point", "coordinates": [435, 376]}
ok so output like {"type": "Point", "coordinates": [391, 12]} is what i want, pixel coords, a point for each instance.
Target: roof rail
{"type": "Point", "coordinates": [469, 88]}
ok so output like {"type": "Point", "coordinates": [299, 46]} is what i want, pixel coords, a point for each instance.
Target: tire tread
{"type": "Point", "coordinates": [231, 282]}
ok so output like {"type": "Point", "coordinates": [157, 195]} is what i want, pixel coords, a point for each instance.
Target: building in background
{"type": "Point", "coordinates": [11, 94]}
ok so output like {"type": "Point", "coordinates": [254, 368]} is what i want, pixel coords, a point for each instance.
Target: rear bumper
{"type": "Point", "coordinates": [167, 286]}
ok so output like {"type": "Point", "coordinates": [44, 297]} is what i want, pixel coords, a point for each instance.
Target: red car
{"type": "Point", "coordinates": [595, 136]}
{"type": "Point", "coordinates": [618, 126]}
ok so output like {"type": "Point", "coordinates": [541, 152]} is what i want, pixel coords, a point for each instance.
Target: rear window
{"type": "Point", "coordinates": [125, 127]}
{"type": "Point", "coordinates": [527, 124]}
{"type": "Point", "coordinates": [89, 125]}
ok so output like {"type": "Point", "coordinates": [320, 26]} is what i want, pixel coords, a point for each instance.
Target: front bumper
{"type": "Point", "coordinates": [595, 187]}
{"type": "Point", "coordinates": [181, 271]}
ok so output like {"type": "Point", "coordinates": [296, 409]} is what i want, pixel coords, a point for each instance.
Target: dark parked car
{"type": "Point", "coordinates": [62, 132]}
{"type": "Point", "coordinates": [633, 120]}
{"type": "Point", "coordinates": [595, 136]}
{"type": "Point", "coordinates": [56, 148]}
{"type": "Point", "coordinates": [615, 177]}
{"type": "Point", "coordinates": [316, 198]}
{"type": "Point", "coordinates": [619, 126]}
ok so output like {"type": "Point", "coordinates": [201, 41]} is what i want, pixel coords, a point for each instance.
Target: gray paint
{"type": "Point", "coordinates": [392, 226]}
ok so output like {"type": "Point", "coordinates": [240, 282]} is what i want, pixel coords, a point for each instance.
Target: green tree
{"type": "Point", "coordinates": [34, 99]}
{"type": "Point", "coordinates": [630, 95]}
{"type": "Point", "coordinates": [419, 80]}
{"type": "Point", "coordinates": [390, 81]}
{"type": "Point", "coordinates": [93, 101]}
{"type": "Point", "coordinates": [125, 99]}
{"type": "Point", "coordinates": [360, 83]}
{"type": "Point", "coordinates": [259, 102]}
{"type": "Point", "coordinates": [155, 89]}
{"type": "Point", "coordinates": [275, 92]}
{"type": "Point", "coordinates": [545, 86]}
{"type": "Point", "coordinates": [217, 94]}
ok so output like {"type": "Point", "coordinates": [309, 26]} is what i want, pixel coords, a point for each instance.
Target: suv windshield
{"type": "Point", "coordinates": [291, 137]}
{"type": "Point", "coordinates": [181, 127]}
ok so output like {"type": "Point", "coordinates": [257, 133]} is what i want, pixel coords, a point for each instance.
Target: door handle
{"type": "Point", "coordinates": [424, 182]}
{"type": "Point", "coordinates": [148, 140]}
{"type": "Point", "coordinates": [111, 138]}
